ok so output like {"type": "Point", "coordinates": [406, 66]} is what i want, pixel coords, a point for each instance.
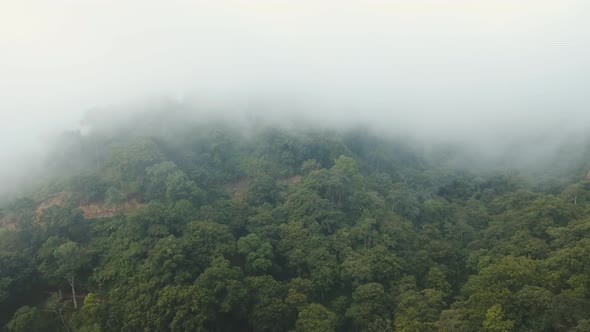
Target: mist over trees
{"type": "Point", "coordinates": [170, 223]}
{"type": "Point", "coordinates": [306, 165]}
{"type": "Point", "coordinates": [508, 77]}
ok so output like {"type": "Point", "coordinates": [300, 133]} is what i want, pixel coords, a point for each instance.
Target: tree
{"type": "Point", "coordinates": [29, 319]}
{"type": "Point", "coordinates": [115, 197]}
{"type": "Point", "coordinates": [418, 310]}
{"type": "Point", "coordinates": [157, 178]}
{"type": "Point", "coordinates": [436, 279]}
{"type": "Point", "coordinates": [267, 309]}
{"type": "Point", "coordinates": [368, 303]}
{"type": "Point", "coordinates": [262, 189]}
{"type": "Point", "coordinates": [304, 204]}
{"type": "Point", "coordinates": [574, 193]}
{"type": "Point", "coordinates": [298, 293]}
{"type": "Point", "coordinates": [499, 283]}
{"type": "Point", "coordinates": [178, 187]}
{"type": "Point", "coordinates": [258, 253]}
{"type": "Point", "coordinates": [69, 258]}
{"type": "Point", "coordinates": [62, 259]}
{"type": "Point", "coordinates": [55, 305]}
{"type": "Point", "coordinates": [323, 269]}
{"type": "Point", "coordinates": [204, 241]}
{"type": "Point", "coordinates": [495, 321]}
{"type": "Point", "coordinates": [403, 201]}
{"type": "Point", "coordinates": [168, 263]}
{"type": "Point", "coordinates": [65, 221]}
{"type": "Point", "coordinates": [165, 182]}
{"type": "Point", "coordinates": [316, 318]}
{"type": "Point", "coordinates": [220, 290]}
{"type": "Point", "coordinates": [292, 245]}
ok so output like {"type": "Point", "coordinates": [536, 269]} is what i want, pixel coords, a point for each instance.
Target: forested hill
{"type": "Point", "coordinates": [180, 226]}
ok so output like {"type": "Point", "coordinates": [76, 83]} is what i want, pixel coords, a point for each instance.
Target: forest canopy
{"type": "Point", "coordinates": [171, 225]}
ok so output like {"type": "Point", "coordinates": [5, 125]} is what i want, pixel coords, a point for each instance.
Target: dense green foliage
{"type": "Point", "coordinates": [283, 230]}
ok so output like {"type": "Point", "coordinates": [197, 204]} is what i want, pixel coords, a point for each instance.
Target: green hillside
{"type": "Point", "coordinates": [179, 225]}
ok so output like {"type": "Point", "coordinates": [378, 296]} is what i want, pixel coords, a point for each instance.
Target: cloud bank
{"type": "Point", "coordinates": [494, 73]}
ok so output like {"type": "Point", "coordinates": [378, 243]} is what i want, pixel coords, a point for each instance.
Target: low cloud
{"type": "Point", "coordinates": [508, 78]}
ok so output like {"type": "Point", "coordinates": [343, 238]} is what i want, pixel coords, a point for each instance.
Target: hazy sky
{"type": "Point", "coordinates": [492, 69]}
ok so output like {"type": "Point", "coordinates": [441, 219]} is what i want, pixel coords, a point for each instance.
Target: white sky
{"type": "Point", "coordinates": [489, 68]}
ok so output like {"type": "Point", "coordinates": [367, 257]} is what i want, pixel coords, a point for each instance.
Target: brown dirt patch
{"type": "Point", "coordinates": [237, 189]}
{"type": "Point", "coordinates": [101, 210]}
{"type": "Point", "coordinates": [92, 210]}
{"type": "Point", "coordinates": [51, 200]}
{"type": "Point", "coordinates": [8, 223]}
{"type": "Point", "coordinates": [290, 180]}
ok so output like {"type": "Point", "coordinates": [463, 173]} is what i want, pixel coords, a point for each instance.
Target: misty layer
{"type": "Point", "coordinates": [88, 147]}
{"type": "Point", "coordinates": [508, 77]}
{"type": "Point", "coordinates": [169, 220]}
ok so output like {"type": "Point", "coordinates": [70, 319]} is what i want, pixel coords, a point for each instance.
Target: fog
{"type": "Point", "coordinates": [498, 75]}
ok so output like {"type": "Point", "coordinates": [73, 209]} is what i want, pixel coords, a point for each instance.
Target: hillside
{"type": "Point", "coordinates": [208, 227]}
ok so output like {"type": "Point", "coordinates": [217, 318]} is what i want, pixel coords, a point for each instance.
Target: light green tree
{"type": "Point", "coordinates": [495, 321]}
